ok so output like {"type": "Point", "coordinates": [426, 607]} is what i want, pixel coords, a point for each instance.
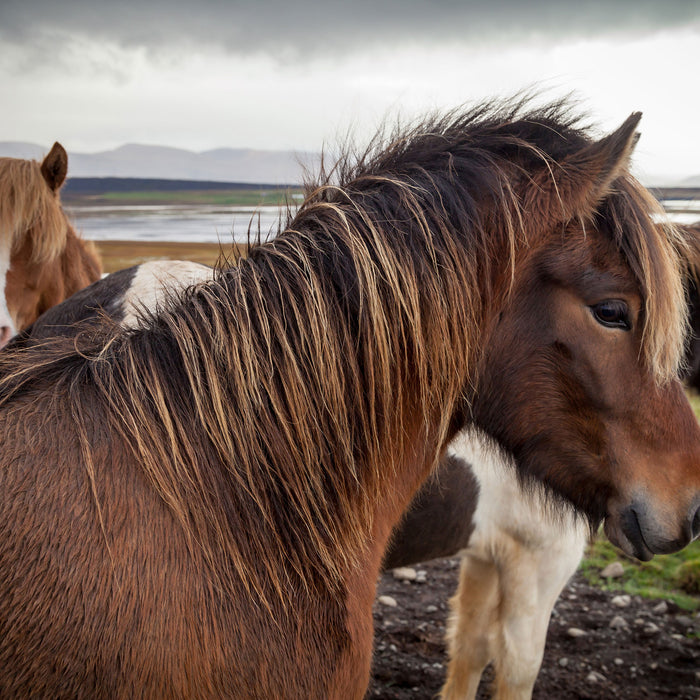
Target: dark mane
{"type": "Point", "coordinates": [265, 401]}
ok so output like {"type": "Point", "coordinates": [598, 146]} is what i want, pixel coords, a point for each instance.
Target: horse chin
{"type": "Point", "coordinates": [636, 530]}
{"type": "Point", "coordinates": [627, 535]}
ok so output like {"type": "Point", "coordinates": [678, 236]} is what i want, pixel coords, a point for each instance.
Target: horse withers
{"type": "Point", "coordinates": [42, 259]}
{"type": "Point", "coordinates": [223, 479]}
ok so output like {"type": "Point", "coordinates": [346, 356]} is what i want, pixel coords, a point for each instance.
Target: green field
{"type": "Point", "coordinates": [674, 577]}
{"type": "Point", "coordinates": [224, 198]}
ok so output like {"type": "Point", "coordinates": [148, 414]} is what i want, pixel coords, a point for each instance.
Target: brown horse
{"type": "Point", "coordinates": [222, 480]}
{"type": "Point", "coordinates": [42, 259]}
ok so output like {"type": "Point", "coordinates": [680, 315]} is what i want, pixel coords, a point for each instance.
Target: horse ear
{"type": "Point", "coordinates": [578, 183]}
{"type": "Point", "coordinates": [54, 167]}
{"type": "Point", "coordinates": [610, 156]}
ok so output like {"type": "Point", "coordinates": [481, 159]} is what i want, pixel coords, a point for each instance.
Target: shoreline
{"type": "Point", "coordinates": [117, 255]}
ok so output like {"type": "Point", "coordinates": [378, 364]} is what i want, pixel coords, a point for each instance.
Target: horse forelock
{"type": "Point", "coordinates": [28, 207]}
{"type": "Point", "coordinates": [657, 255]}
{"type": "Point", "coordinates": [270, 400]}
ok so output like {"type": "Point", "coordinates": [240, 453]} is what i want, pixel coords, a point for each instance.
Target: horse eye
{"type": "Point", "coordinates": [612, 314]}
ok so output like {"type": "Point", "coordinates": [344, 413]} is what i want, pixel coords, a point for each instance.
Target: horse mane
{"type": "Point", "coordinates": [28, 203]}
{"type": "Point", "coordinates": [269, 400]}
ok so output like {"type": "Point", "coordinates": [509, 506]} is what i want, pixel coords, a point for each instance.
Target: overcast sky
{"type": "Point", "coordinates": [297, 75]}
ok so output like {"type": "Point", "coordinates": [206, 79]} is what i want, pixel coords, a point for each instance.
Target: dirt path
{"type": "Point", "coordinates": [655, 653]}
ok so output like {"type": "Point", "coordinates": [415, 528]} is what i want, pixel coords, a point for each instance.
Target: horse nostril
{"type": "Point", "coordinates": [695, 525]}
{"type": "Point", "coordinates": [5, 335]}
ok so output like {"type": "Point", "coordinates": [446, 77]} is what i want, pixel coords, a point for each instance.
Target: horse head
{"type": "Point", "coordinates": [579, 370]}
{"type": "Point", "coordinates": [42, 260]}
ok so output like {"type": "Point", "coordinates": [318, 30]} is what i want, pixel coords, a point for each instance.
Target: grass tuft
{"type": "Point", "coordinates": [674, 577]}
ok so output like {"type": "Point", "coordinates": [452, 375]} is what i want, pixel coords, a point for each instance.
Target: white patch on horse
{"type": "Point", "coordinates": [521, 554]}
{"type": "Point", "coordinates": [7, 326]}
{"type": "Point", "coordinates": [155, 283]}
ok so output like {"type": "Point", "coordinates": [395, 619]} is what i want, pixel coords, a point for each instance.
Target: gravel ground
{"type": "Point", "coordinates": [651, 651]}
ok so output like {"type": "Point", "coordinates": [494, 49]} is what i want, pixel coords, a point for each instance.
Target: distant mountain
{"type": "Point", "coordinates": [693, 181]}
{"type": "Point", "coordinates": [162, 162]}
{"type": "Point", "coordinates": [221, 164]}
{"type": "Point", "coordinates": [19, 149]}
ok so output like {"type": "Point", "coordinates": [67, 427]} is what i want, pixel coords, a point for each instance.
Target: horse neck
{"type": "Point", "coordinates": [34, 286]}
{"type": "Point", "coordinates": [76, 267]}
{"type": "Point", "coordinates": [332, 369]}
{"type": "Point", "coordinates": [408, 346]}
{"type": "Point", "coordinates": [79, 263]}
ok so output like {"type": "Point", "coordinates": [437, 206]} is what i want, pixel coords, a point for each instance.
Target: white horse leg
{"type": "Point", "coordinates": [531, 581]}
{"type": "Point", "coordinates": [471, 627]}
{"type": "Point", "coordinates": [522, 630]}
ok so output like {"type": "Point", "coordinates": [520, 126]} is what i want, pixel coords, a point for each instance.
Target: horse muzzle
{"type": "Point", "coordinates": [641, 531]}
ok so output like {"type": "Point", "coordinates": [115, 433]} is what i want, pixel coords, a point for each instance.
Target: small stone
{"type": "Point", "coordinates": [613, 570]}
{"type": "Point", "coordinates": [621, 601]}
{"type": "Point", "coordinates": [654, 666]}
{"type": "Point", "coordinates": [684, 620]}
{"type": "Point", "coordinates": [421, 576]}
{"type": "Point", "coordinates": [563, 661]}
{"type": "Point", "coordinates": [650, 628]}
{"type": "Point", "coordinates": [387, 600]}
{"type": "Point", "coordinates": [661, 608]}
{"type": "Point", "coordinates": [678, 637]}
{"type": "Point", "coordinates": [618, 623]}
{"type": "Point", "coordinates": [618, 662]}
{"type": "Point", "coordinates": [575, 632]}
{"type": "Point", "coordinates": [595, 677]}
{"type": "Point", "coordinates": [431, 609]}
{"type": "Point", "coordinates": [404, 573]}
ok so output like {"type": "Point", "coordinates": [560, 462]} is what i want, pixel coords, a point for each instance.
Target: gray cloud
{"type": "Point", "coordinates": [320, 27]}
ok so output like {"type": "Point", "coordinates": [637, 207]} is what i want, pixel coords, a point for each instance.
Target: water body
{"type": "Point", "coordinates": [683, 211]}
{"type": "Point", "coordinates": [214, 224]}
{"type": "Point", "coordinates": [175, 223]}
